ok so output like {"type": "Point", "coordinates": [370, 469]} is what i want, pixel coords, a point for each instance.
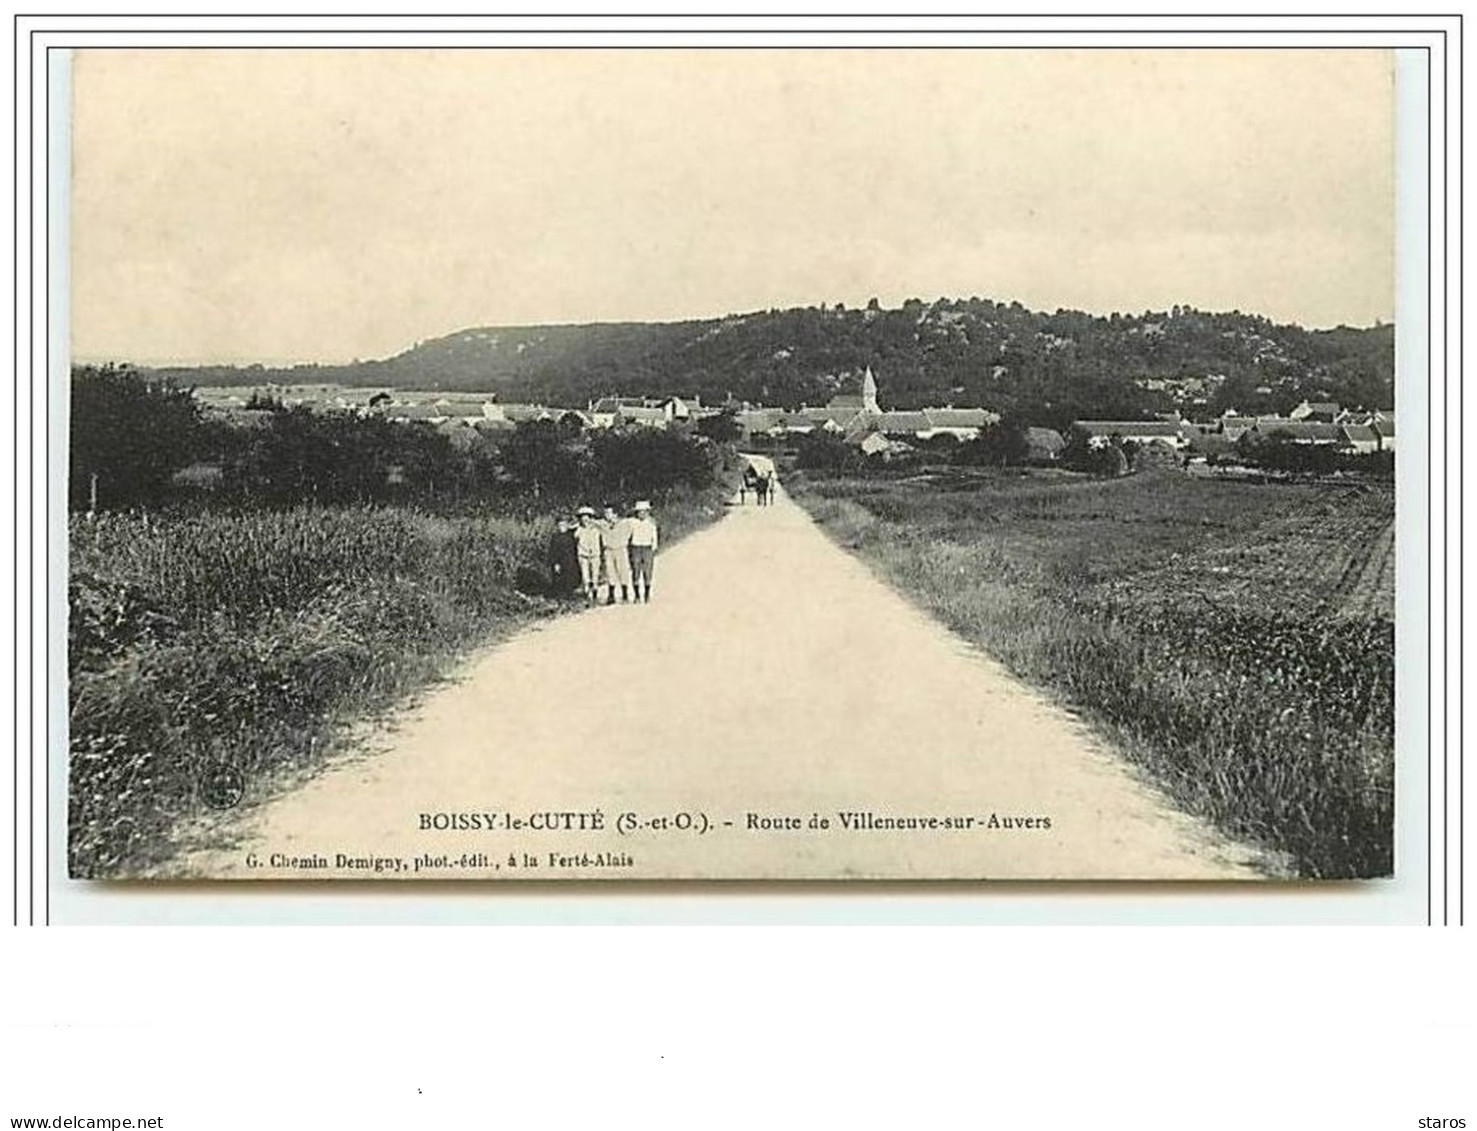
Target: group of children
{"type": "Point", "coordinates": [612, 552]}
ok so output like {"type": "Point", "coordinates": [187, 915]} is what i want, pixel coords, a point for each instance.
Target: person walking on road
{"type": "Point", "coordinates": [762, 489]}
{"type": "Point", "coordinates": [643, 551]}
{"type": "Point", "coordinates": [588, 544]}
{"type": "Point", "coordinates": [615, 535]}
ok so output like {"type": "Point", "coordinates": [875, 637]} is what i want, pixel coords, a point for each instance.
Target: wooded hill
{"type": "Point", "coordinates": [961, 352]}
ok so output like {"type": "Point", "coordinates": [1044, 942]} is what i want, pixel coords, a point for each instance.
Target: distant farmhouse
{"type": "Point", "coordinates": [1316, 412]}
{"type": "Point", "coordinates": [1321, 424]}
{"type": "Point", "coordinates": [454, 410]}
{"type": "Point", "coordinates": [1314, 423]}
{"type": "Point", "coordinates": [1100, 433]}
{"type": "Point", "coordinates": [648, 412]}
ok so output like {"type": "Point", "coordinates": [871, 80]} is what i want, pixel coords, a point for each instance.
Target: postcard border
{"type": "Point", "coordinates": [1449, 648]}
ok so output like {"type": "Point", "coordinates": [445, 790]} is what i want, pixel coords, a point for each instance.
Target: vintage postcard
{"type": "Point", "coordinates": [742, 464]}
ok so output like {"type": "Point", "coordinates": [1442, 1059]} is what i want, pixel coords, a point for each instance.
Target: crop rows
{"type": "Point", "coordinates": [1194, 622]}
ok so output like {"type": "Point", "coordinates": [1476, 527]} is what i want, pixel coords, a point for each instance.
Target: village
{"type": "Point", "coordinates": [854, 416]}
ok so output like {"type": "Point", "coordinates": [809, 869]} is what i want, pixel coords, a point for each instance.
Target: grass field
{"type": "Point", "coordinates": [1235, 639]}
{"type": "Point", "coordinates": [209, 654]}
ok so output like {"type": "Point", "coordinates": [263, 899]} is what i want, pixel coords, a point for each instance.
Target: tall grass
{"type": "Point", "coordinates": [209, 653]}
{"type": "Point", "coordinates": [1272, 718]}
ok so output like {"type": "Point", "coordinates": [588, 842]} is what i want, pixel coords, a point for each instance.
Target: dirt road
{"type": "Point", "coordinates": [773, 683]}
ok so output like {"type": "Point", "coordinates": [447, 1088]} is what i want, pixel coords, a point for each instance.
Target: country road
{"type": "Point", "coordinates": [773, 682]}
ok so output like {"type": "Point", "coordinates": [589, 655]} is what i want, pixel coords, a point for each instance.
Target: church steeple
{"type": "Point", "coordinates": [850, 402]}
{"type": "Point", "coordinates": [869, 392]}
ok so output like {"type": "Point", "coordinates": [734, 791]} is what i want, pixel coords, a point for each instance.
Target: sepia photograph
{"type": "Point", "coordinates": [731, 463]}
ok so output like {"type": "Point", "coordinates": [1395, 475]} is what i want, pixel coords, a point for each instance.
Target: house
{"type": "Point", "coordinates": [1318, 412]}
{"type": "Point", "coordinates": [859, 427]}
{"type": "Point", "coordinates": [1213, 445]}
{"type": "Point", "coordinates": [1360, 439]}
{"type": "Point", "coordinates": [792, 424]}
{"type": "Point", "coordinates": [757, 421]}
{"type": "Point", "coordinates": [830, 419]}
{"type": "Point", "coordinates": [649, 412]}
{"type": "Point", "coordinates": [464, 409]}
{"type": "Point", "coordinates": [641, 416]}
{"type": "Point", "coordinates": [428, 413]}
{"type": "Point", "coordinates": [1270, 423]}
{"type": "Point", "coordinates": [903, 423]}
{"type": "Point", "coordinates": [1234, 423]}
{"type": "Point", "coordinates": [1383, 426]}
{"type": "Point", "coordinates": [963, 423]}
{"type": "Point", "coordinates": [1043, 445]}
{"type": "Point", "coordinates": [603, 410]}
{"type": "Point", "coordinates": [614, 404]}
{"type": "Point", "coordinates": [1233, 426]}
{"type": "Point", "coordinates": [524, 413]}
{"type": "Point", "coordinates": [1101, 432]}
{"type": "Point", "coordinates": [1303, 431]}
{"type": "Point", "coordinates": [877, 445]}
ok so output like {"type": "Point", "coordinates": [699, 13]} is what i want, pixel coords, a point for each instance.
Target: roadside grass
{"type": "Point", "coordinates": [1196, 622]}
{"type": "Point", "coordinates": [210, 653]}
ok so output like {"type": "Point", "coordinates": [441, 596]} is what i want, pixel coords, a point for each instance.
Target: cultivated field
{"type": "Point", "coordinates": [1235, 639]}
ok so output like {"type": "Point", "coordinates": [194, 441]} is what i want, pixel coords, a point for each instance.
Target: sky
{"type": "Point", "coordinates": [288, 206]}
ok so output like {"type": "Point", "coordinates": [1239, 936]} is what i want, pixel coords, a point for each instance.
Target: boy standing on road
{"type": "Point", "coordinates": [643, 551]}
{"type": "Point", "coordinates": [587, 544]}
{"type": "Point", "coordinates": [616, 533]}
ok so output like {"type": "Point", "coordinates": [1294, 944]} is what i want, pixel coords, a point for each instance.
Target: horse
{"type": "Point", "coordinates": [750, 482]}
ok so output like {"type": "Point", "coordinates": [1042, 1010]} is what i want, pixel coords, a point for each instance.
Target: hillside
{"type": "Point", "coordinates": [965, 352]}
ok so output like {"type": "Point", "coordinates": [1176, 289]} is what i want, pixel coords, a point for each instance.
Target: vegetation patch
{"type": "Point", "coordinates": [1235, 639]}
{"type": "Point", "coordinates": [220, 638]}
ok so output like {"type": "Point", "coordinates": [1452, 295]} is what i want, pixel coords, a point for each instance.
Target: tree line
{"type": "Point", "coordinates": [1053, 367]}
{"type": "Point", "coordinates": [136, 436]}
{"type": "Point", "coordinates": [1006, 444]}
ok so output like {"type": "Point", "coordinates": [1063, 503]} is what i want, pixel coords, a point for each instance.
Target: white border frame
{"type": "Point", "coordinates": [1426, 490]}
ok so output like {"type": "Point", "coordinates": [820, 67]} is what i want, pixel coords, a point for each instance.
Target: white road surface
{"type": "Point", "coordinates": [773, 685]}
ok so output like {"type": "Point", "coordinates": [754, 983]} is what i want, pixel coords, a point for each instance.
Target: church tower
{"type": "Point", "coordinates": [850, 403]}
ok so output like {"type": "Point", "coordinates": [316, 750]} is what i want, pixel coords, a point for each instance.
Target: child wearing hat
{"type": "Point", "coordinates": [615, 532]}
{"type": "Point", "coordinates": [587, 545]}
{"type": "Point", "coordinates": [642, 550]}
